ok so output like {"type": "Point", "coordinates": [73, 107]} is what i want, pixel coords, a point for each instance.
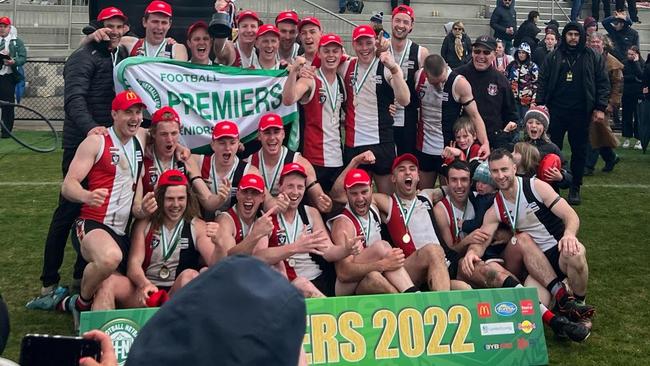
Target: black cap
{"type": "Point", "coordinates": [487, 41]}
{"type": "Point", "coordinates": [553, 22]}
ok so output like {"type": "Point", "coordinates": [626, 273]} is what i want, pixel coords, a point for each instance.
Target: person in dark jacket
{"type": "Point", "coordinates": [632, 85]}
{"type": "Point", "coordinates": [574, 86]}
{"type": "Point", "coordinates": [631, 8]}
{"type": "Point", "coordinates": [504, 23]}
{"type": "Point", "coordinates": [14, 52]}
{"type": "Point", "coordinates": [89, 91]}
{"type": "Point", "coordinates": [595, 8]}
{"type": "Point", "coordinates": [619, 29]}
{"type": "Point", "coordinates": [547, 46]}
{"type": "Point", "coordinates": [528, 30]}
{"type": "Point", "coordinates": [457, 46]}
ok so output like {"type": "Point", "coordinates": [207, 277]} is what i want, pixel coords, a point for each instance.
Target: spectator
{"type": "Point", "coordinates": [619, 29]}
{"type": "Point", "coordinates": [504, 23]}
{"type": "Point", "coordinates": [501, 59]}
{"type": "Point", "coordinates": [575, 96]}
{"type": "Point", "coordinates": [527, 32]}
{"type": "Point", "coordinates": [14, 55]}
{"type": "Point", "coordinates": [457, 46]}
{"type": "Point", "coordinates": [522, 74]}
{"type": "Point", "coordinates": [632, 79]}
{"type": "Point", "coordinates": [576, 9]}
{"type": "Point", "coordinates": [552, 26]}
{"type": "Point", "coordinates": [601, 137]}
{"type": "Point", "coordinates": [493, 94]}
{"type": "Point", "coordinates": [591, 25]}
{"type": "Point", "coordinates": [595, 8]}
{"type": "Point", "coordinates": [631, 9]}
{"type": "Point", "coordinates": [550, 42]}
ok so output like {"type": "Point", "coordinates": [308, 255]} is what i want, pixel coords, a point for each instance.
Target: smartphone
{"type": "Point", "coordinates": [47, 350]}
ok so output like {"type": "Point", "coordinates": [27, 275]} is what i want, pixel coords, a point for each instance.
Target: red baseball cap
{"type": "Point", "coordinates": [252, 181]}
{"type": "Point", "coordinates": [405, 157]}
{"type": "Point", "coordinates": [309, 20]}
{"type": "Point", "coordinates": [5, 20]}
{"type": "Point", "coordinates": [287, 16]}
{"type": "Point", "coordinates": [158, 6]}
{"type": "Point", "coordinates": [330, 38]}
{"type": "Point", "coordinates": [404, 9]}
{"type": "Point", "coordinates": [266, 28]}
{"type": "Point", "coordinates": [225, 129]}
{"type": "Point", "coordinates": [165, 114]}
{"type": "Point", "coordinates": [110, 12]}
{"type": "Point", "coordinates": [270, 120]}
{"type": "Point", "coordinates": [172, 177]}
{"type": "Point", "coordinates": [293, 168]}
{"type": "Point", "coordinates": [194, 26]}
{"type": "Point", "coordinates": [363, 31]}
{"type": "Point", "coordinates": [126, 100]}
{"type": "Point", "coordinates": [247, 14]}
{"type": "Point", "coordinates": [356, 177]}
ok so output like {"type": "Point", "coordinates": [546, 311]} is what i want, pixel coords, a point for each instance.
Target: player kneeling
{"type": "Point", "coordinates": [167, 251]}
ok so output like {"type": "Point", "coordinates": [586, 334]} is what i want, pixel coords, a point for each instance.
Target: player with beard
{"type": "Point", "coordinates": [167, 250]}
{"type": "Point", "coordinates": [321, 98]}
{"type": "Point", "coordinates": [300, 240]}
{"type": "Point", "coordinates": [408, 215]}
{"type": "Point", "coordinates": [409, 56]}
{"type": "Point", "coordinates": [241, 52]}
{"type": "Point", "coordinates": [377, 268]}
{"type": "Point", "coordinates": [213, 176]}
{"type": "Point", "coordinates": [165, 133]}
{"type": "Point", "coordinates": [287, 23]}
{"type": "Point", "coordinates": [270, 159]}
{"type": "Point", "coordinates": [199, 43]}
{"type": "Point", "coordinates": [157, 21]}
{"type": "Point", "coordinates": [553, 227]}
{"type": "Point", "coordinates": [372, 85]}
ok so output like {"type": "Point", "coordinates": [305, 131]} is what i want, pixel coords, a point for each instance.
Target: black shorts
{"type": "Point", "coordinates": [429, 163]}
{"type": "Point", "coordinates": [326, 176]}
{"type": "Point", "coordinates": [83, 227]}
{"type": "Point", "coordinates": [325, 284]}
{"type": "Point", "coordinates": [384, 156]}
{"type": "Point", "coordinates": [553, 256]}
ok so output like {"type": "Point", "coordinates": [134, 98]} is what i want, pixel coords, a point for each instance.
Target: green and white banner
{"type": "Point", "coordinates": [205, 94]}
{"type": "Point", "coordinates": [476, 327]}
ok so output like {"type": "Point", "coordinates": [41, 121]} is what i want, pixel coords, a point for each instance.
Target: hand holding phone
{"type": "Point", "coordinates": [46, 350]}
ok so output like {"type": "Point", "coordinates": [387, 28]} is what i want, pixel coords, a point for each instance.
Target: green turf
{"type": "Point", "coordinates": [614, 227]}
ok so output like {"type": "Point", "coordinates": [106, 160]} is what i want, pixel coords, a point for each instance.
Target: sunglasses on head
{"type": "Point", "coordinates": [477, 51]}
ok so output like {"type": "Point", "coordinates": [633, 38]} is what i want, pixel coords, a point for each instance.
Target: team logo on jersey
{"type": "Point", "coordinates": [155, 241]}
{"type": "Point", "coordinates": [379, 80]}
{"type": "Point", "coordinates": [140, 52]}
{"type": "Point", "coordinates": [153, 177]}
{"type": "Point", "coordinates": [138, 155]}
{"type": "Point", "coordinates": [421, 93]}
{"type": "Point", "coordinates": [322, 98]}
{"type": "Point", "coordinates": [184, 243]}
{"type": "Point", "coordinates": [492, 89]}
{"type": "Point", "coordinates": [115, 155]}
{"type": "Point", "coordinates": [445, 97]}
{"type": "Point", "coordinates": [409, 64]}
{"type": "Point", "coordinates": [282, 237]}
{"type": "Point", "coordinates": [123, 333]}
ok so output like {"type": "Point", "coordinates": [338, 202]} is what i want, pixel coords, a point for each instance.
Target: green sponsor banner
{"type": "Point", "coordinates": [475, 327]}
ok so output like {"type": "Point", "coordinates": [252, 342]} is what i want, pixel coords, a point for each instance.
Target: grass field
{"type": "Point", "coordinates": [615, 227]}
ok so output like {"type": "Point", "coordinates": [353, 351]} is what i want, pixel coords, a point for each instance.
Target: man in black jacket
{"type": "Point", "coordinates": [575, 87]}
{"type": "Point", "coordinates": [89, 91]}
{"type": "Point", "coordinates": [528, 31]}
{"type": "Point", "coordinates": [548, 45]}
{"type": "Point", "coordinates": [504, 23]}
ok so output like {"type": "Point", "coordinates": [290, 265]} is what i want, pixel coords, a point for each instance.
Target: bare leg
{"type": "Point", "coordinates": [577, 270]}
{"type": "Point", "coordinates": [374, 252]}
{"type": "Point", "coordinates": [183, 279]}
{"type": "Point", "coordinates": [460, 285]}
{"type": "Point", "coordinates": [428, 263]}
{"type": "Point", "coordinates": [535, 261]}
{"type": "Point", "coordinates": [307, 288]}
{"type": "Point", "coordinates": [487, 275]}
{"type": "Point", "coordinates": [542, 292]}
{"type": "Point", "coordinates": [103, 256]}
{"type": "Point", "coordinates": [514, 260]}
{"type": "Point", "coordinates": [375, 283]}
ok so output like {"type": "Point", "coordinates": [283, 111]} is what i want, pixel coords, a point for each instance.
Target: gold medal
{"type": "Point", "coordinates": [292, 262]}
{"type": "Point", "coordinates": [406, 238]}
{"type": "Point", "coordinates": [164, 272]}
{"type": "Point", "coordinates": [513, 240]}
{"type": "Point", "coordinates": [569, 76]}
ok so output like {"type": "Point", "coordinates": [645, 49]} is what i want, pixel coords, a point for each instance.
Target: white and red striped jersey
{"type": "Point", "coordinates": [117, 168]}
{"type": "Point", "coordinates": [323, 122]}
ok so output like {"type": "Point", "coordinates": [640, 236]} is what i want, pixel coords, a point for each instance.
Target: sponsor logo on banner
{"type": "Point", "coordinates": [505, 308]}
{"type": "Point", "coordinates": [497, 346]}
{"type": "Point", "coordinates": [522, 343]}
{"type": "Point", "coordinates": [526, 326]}
{"type": "Point", "coordinates": [122, 332]}
{"type": "Point", "coordinates": [484, 309]}
{"type": "Point", "coordinates": [497, 328]}
{"type": "Point", "coordinates": [527, 307]}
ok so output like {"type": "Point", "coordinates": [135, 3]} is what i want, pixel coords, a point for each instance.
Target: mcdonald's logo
{"type": "Point", "coordinates": [131, 96]}
{"type": "Point", "coordinates": [484, 310]}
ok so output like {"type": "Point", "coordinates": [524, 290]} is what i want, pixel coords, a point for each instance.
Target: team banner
{"type": "Point", "coordinates": [205, 94]}
{"type": "Point", "coordinates": [475, 327]}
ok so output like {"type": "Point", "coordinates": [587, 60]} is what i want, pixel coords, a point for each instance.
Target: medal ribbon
{"type": "Point", "coordinates": [251, 61]}
{"type": "Point", "coordinates": [213, 174]}
{"type": "Point", "coordinates": [277, 168]}
{"type": "Point", "coordinates": [290, 237]}
{"type": "Point", "coordinates": [403, 56]}
{"type": "Point", "coordinates": [366, 230]}
{"type": "Point", "coordinates": [515, 215]}
{"type": "Point", "coordinates": [133, 167]}
{"type": "Point", "coordinates": [358, 85]}
{"type": "Point", "coordinates": [160, 48]}
{"type": "Point", "coordinates": [159, 165]}
{"type": "Point", "coordinates": [331, 96]}
{"type": "Point", "coordinates": [457, 228]}
{"type": "Point", "coordinates": [406, 214]}
{"type": "Point", "coordinates": [244, 232]}
{"type": "Point", "coordinates": [168, 246]}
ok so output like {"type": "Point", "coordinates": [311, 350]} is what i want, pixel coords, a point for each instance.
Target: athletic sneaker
{"type": "Point", "coordinates": [638, 146]}
{"type": "Point", "coordinates": [626, 144]}
{"type": "Point", "coordinates": [76, 314]}
{"type": "Point", "coordinates": [49, 299]}
{"type": "Point", "coordinates": [564, 328]}
{"type": "Point", "coordinates": [575, 311]}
